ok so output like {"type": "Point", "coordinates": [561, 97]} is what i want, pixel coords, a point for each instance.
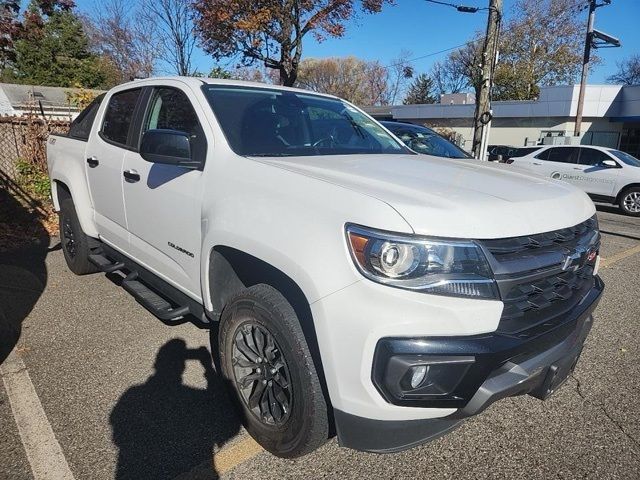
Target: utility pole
{"type": "Point", "coordinates": [482, 118]}
{"type": "Point", "coordinates": [585, 67]}
{"type": "Point", "coordinates": [594, 39]}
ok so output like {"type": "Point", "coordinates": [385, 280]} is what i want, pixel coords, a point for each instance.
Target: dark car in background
{"type": "Point", "coordinates": [497, 153]}
{"type": "Point", "coordinates": [424, 140]}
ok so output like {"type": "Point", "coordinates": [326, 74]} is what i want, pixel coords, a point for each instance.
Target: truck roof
{"type": "Point", "coordinates": [198, 81]}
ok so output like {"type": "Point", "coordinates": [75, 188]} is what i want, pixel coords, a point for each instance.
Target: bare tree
{"type": "Point", "coordinates": [628, 72]}
{"type": "Point", "coordinates": [448, 77]}
{"type": "Point", "coordinates": [540, 45]}
{"type": "Point", "coordinates": [176, 34]}
{"type": "Point", "coordinates": [125, 39]}
{"type": "Point", "coordinates": [351, 78]}
{"type": "Point", "coordinates": [399, 75]}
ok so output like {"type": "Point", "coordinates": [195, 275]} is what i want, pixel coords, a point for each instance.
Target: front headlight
{"type": "Point", "coordinates": [442, 267]}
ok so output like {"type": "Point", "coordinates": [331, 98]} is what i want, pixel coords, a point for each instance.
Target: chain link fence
{"type": "Point", "coordinates": [25, 139]}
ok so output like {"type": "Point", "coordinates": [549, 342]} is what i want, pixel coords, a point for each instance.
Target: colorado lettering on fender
{"type": "Point", "coordinates": [180, 249]}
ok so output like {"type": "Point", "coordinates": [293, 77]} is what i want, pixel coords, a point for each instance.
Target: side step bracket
{"type": "Point", "coordinates": [161, 300]}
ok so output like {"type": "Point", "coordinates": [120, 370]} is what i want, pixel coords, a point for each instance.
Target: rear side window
{"type": "Point", "coordinates": [560, 155]}
{"type": "Point", "coordinates": [81, 127]}
{"type": "Point", "coordinates": [119, 115]}
{"type": "Point", "coordinates": [591, 156]}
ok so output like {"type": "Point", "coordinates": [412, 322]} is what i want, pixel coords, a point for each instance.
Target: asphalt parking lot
{"type": "Point", "coordinates": [117, 394]}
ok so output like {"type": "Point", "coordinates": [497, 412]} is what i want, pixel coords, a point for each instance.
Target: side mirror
{"type": "Point", "coordinates": [169, 147]}
{"type": "Point", "coordinates": [609, 163]}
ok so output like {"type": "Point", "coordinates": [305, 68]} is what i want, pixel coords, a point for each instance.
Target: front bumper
{"type": "Point", "coordinates": [502, 366]}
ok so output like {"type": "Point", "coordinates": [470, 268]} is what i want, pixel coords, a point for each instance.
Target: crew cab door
{"type": "Point", "coordinates": [593, 176]}
{"type": "Point", "coordinates": [105, 156]}
{"type": "Point", "coordinates": [163, 202]}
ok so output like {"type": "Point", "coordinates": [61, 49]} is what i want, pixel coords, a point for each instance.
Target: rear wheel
{"type": "Point", "coordinates": [267, 363]}
{"type": "Point", "coordinates": [75, 244]}
{"type": "Point", "coordinates": [630, 201]}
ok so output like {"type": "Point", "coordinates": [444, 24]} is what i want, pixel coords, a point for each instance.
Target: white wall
{"type": "Point", "coordinates": [515, 131]}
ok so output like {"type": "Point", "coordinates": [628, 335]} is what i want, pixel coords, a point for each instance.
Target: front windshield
{"type": "Point", "coordinates": [426, 141]}
{"type": "Point", "coordinates": [265, 122]}
{"type": "Point", "coordinates": [626, 158]}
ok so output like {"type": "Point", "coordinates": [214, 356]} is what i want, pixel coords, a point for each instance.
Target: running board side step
{"type": "Point", "coordinates": [151, 300]}
{"type": "Point", "coordinates": [166, 302]}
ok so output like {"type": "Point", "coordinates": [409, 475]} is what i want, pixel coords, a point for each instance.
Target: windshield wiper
{"type": "Point", "coordinates": [355, 126]}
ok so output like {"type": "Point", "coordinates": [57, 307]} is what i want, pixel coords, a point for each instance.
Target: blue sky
{"type": "Point", "coordinates": [425, 28]}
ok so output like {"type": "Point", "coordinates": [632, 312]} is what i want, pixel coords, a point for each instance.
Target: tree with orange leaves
{"type": "Point", "coordinates": [272, 31]}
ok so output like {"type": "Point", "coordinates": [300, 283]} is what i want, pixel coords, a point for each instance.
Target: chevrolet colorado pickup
{"type": "Point", "coordinates": [350, 285]}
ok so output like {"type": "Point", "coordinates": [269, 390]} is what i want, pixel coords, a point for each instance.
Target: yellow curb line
{"type": "Point", "coordinates": [607, 262]}
{"type": "Point", "coordinates": [231, 457]}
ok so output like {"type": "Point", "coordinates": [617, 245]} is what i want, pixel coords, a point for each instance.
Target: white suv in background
{"type": "Point", "coordinates": [607, 175]}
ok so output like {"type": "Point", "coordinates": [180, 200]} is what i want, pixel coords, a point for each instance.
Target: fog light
{"type": "Point", "coordinates": [418, 375]}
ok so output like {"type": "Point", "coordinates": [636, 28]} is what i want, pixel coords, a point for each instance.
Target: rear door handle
{"type": "Point", "coordinates": [93, 162]}
{"type": "Point", "coordinates": [577, 168]}
{"type": "Point", "coordinates": [131, 176]}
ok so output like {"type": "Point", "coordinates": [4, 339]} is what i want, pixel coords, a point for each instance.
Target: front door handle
{"type": "Point", "coordinates": [131, 176]}
{"type": "Point", "coordinates": [577, 168]}
{"type": "Point", "coordinates": [93, 162]}
{"type": "Point", "coordinates": [536, 163]}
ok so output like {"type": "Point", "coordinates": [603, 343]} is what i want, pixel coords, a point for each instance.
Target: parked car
{"type": "Point", "coordinates": [606, 174]}
{"type": "Point", "coordinates": [522, 151]}
{"type": "Point", "coordinates": [424, 140]}
{"type": "Point", "coordinates": [499, 152]}
{"type": "Point", "coordinates": [345, 279]}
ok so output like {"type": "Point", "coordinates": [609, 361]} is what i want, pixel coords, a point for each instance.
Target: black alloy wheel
{"type": "Point", "coordinates": [261, 374]}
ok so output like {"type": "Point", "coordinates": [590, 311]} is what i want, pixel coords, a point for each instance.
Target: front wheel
{"type": "Point", "coordinates": [266, 361]}
{"type": "Point", "coordinates": [630, 201]}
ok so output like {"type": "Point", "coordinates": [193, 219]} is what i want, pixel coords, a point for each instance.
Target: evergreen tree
{"type": "Point", "coordinates": [53, 49]}
{"type": "Point", "coordinates": [9, 29]}
{"type": "Point", "coordinates": [420, 91]}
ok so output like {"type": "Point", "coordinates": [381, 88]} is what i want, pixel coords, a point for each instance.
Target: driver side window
{"type": "Point", "coordinates": [170, 109]}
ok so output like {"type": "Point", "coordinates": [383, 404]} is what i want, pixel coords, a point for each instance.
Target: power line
{"type": "Point", "coordinates": [460, 8]}
{"type": "Point", "coordinates": [404, 62]}
{"type": "Point", "coordinates": [579, 9]}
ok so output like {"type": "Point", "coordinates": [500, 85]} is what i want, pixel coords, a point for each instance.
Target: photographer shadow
{"type": "Point", "coordinates": [23, 269]}
{"type": "Point", "coordinates": [164, 428]}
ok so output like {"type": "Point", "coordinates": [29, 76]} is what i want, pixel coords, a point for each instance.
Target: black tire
{"type": "Point", "coordinates": [298, 424]}
{"type": "Point", "coordinates": [629, 201]}
{"type": "Point", "coordinates": [75, 243]}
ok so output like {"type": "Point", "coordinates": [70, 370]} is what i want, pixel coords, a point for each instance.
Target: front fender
{"type": "Point", "coordinates": [290, 221]}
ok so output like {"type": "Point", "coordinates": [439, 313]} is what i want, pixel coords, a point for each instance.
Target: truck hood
{"type": "Point", "coordinates": [452, 198]}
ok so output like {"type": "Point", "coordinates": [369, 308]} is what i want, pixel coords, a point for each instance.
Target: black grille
{"type": "Point", "coordinates": [537, 292]}
{"type": "Point", "coordinates": [534, 307]}
{"type": "Point", "coordinates": [505, 248]}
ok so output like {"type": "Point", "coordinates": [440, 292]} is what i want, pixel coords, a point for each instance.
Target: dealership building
{"type": "Point", "coordinates": [611, 117]}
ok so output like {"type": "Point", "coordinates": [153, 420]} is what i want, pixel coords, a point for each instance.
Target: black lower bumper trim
{"type": "Point", "coordinates": [388, 436]}
{"type": "Point", "coordinates": [489, 353]}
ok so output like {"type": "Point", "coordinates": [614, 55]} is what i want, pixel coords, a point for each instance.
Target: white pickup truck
{"type": "Point", "coordinates": [350, 284]}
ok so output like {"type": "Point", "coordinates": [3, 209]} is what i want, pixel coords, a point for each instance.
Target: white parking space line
{"type": "Point", "coordinates": [43, 450]}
